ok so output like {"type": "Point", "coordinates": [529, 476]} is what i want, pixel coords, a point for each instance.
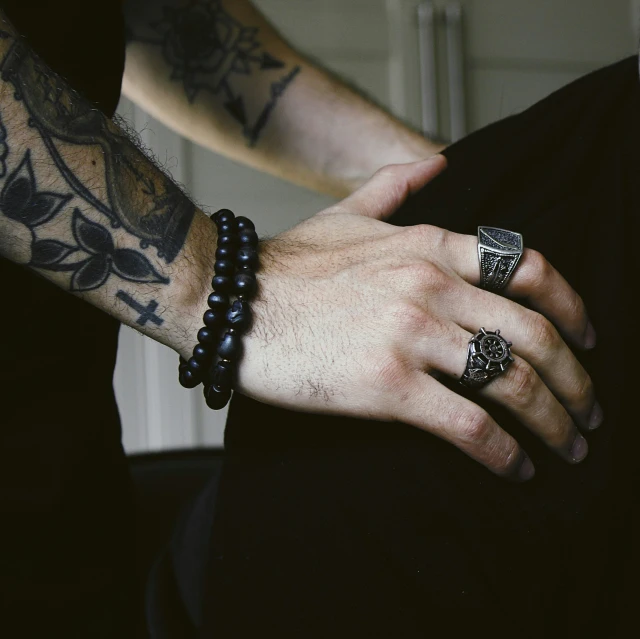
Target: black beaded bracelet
{"type": "Point", "coordinates": [236, 239]}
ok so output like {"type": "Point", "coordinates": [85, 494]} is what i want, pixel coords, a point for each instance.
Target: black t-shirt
{"type": "Point", "coordinates": [65, 504]}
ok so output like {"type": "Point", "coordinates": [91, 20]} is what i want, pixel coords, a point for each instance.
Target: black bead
{"type": "Point", "coordinates": [225, 252]}
{"type": "Point", "coordinates": [247, 256]}
{"type": "Point", "coordinates": [206, 336]}
{"type": "Point", "coordinates": [221, 377]}
{"type": "Point", "coordinates": [245, 284]}
{"type": "Point", "coordinates": [216, 400]}
{"type": "Point", "coordinates": [239, 316]}
{"type": "Point", "coordinates": [228, 239]}
{"type": "Point", "coordinates": [218, 301]}
{"type": "Point", "coordinates": [230, 345]}
{"type": "Point", "coordinates": [245, 224]}
{"type": "Point", "coordinates": [250, 238]}
{"type": "Point", "coordinates": [224, 267]}
{"type": "Point", "coordinates": [188, 378]}
{"type": "Point", "coordinates": [227, 227]}
{"type": "Point", "coordinates": [223, 216]}
{"type": "Point", "coordinates": [182, 360]}
{"type": "Point", "coordinates": [222, 283]}
{"type": "Point", "coordinates": [196, 367]}
{"type": "Point", "coordinates": [213, 319]}
{"type": "Point", "coordinates": [202, 353]}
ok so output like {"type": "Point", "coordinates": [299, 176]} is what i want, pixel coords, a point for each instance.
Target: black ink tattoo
{"type": "Point", "coordinates": [147, 313]}
{"type": "Point", "coordinates": [94, 257]}
{"type": "Point", "coordinates": [104, 259]}
{"type": "Point", "coordinates": [4, 148]}
{"type": "Point", "coordinates": [154, 210]}
{"type": "Point", "coordinates": [277, 89]}
{"type": "Point", "coordinates": [21, 201]}
{"type": "Point", "coordinates": [207, 50]}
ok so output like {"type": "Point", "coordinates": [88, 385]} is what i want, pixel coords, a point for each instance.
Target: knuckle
{"type": "Point", "coordinates": [474, 426]}
{"type": "Point", "coordinates": [541, 332]}
{"type": "Point", "coordinates": [523, 380]}
{"type": "Point", "coordinates": [577, 310]}
{"type": "Point", "coordinates": [389, 171]}
{"type": "Point", "coordinates": [387, 375]}
{"type": "Point", "coordinates": [425, 234]}
{"type": "Point", "coordinates": [584, 392]}
{"type": "Point", "coordinates": [562, 433]}
{"type": "Point", "coordinates": [507, 459]}
{"type": "Point", "coordinates": [538, 265]}
{"type": "Point", "coordinates": [426, 276]}
{"type": "Point", "coordinates": [534, 270]}
{"type": "Point", "coordinates": [406, 317]}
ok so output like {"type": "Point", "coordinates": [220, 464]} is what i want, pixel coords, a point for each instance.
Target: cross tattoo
{"type": "Point", "coordinates": [147, 313]}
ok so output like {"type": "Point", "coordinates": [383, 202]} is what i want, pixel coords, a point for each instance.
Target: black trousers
{"type": "Point", "coordinates": [336, 527]}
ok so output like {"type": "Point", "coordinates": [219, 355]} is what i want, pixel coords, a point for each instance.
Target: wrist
{"type": "Point", "coordinates": [193, 275]}
{"type": "Point", "coordinates": [218, 347]}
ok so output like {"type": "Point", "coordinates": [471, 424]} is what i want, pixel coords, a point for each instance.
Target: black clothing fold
{"type": "Point", "coordinates": [329, 526]}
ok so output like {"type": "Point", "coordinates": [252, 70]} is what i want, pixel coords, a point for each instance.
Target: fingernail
{"type": "Point", "coordinates": [590, 336]}
{"type": "Point", "coordinates": [596, 418]}
{"type": "Point", "coordinates": [526, 470]}
{"type": "Point", "coordinates": [579, 449]}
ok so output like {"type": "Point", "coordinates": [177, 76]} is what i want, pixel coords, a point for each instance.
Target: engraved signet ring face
{"type": "Point", "coordinates": [499, 252]}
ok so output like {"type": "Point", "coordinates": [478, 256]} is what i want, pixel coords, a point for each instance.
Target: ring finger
{"type": "Point", "coordinates": [535, 339]}
{"type": "Point", "coordinates": [520, 389]}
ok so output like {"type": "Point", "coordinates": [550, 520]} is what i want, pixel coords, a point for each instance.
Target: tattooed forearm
{"type": "Point", "coordinates": [153, 210]}
{"type": "Point", "coordinates": [4, 149]}
{"type": "Point", "coordinates": [81, 204]}
{"type": "Point", "coordinates": [91, 258]}
{"type": "Point", "coordinates": [209, 51]}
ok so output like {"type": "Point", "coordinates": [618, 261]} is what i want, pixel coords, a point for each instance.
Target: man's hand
{"type": "Point", "coordinates": [358, 317]}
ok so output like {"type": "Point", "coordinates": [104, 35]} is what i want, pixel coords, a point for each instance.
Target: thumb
{"type": "Point", "coordinates": [383, 194]}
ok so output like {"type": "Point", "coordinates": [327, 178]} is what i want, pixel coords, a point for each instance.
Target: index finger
{"type": "Point", "coordinates": [535, 280]}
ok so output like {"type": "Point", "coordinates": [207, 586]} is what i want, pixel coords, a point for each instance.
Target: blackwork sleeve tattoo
{"type": "Point", "coordinates": [207, 50]}
{"type": "Point", "coordinates": [137, 197]}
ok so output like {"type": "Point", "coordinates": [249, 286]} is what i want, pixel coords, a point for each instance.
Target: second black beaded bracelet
{"type": "Point", "coordinates": [220, 378]}
{"type": "Point", "coordinates": [236, 260]}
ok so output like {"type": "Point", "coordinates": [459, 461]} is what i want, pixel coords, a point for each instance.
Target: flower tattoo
{"type": "Point", "coordinates": [92, 259]}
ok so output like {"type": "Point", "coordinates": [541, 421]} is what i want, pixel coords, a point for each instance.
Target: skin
{"type": "Point", "coordinates": [321, 135]}
{"type": "Point", "coordinates": [344, 321]}
{"type": "Point", "coordinates": [392, 305]}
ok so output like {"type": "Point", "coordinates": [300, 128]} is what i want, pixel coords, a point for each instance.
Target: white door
{"type": "Point", "coordinates": [486, 59]}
